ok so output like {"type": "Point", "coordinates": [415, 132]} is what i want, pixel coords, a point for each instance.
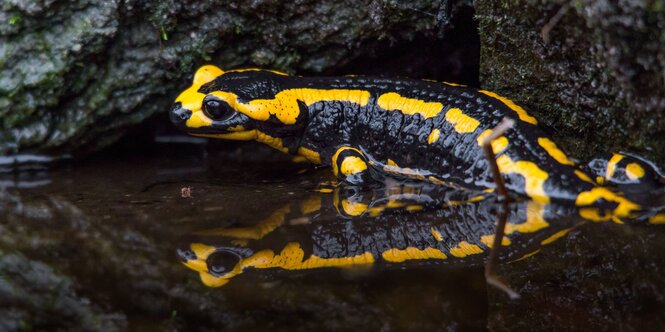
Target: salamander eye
{"type": "Point", "coordinates": [222, 262]}
{"type": "Point", "coordinates": [216, 109]}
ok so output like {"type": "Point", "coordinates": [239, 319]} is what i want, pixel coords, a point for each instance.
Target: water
{"type": "Point", "coordinates": [92, 246]}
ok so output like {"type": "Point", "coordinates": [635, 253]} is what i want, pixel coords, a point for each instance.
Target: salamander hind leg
{"type": "Point", "coordinates": [350, 165]}
{"type": "Point", "coordinates": [626, 171]}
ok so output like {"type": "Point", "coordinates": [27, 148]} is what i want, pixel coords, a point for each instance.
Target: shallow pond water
{"type": "Point", "coordinates": [95, 246]}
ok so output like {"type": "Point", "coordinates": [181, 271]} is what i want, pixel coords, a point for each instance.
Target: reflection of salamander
{"type": "Point", "coordinates": [368, 127]}
{"type": "Point", "coordinates": [350, 228]}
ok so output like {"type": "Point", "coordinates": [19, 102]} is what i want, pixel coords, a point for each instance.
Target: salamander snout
{"type": "Point", "coordinates": [179, 115]}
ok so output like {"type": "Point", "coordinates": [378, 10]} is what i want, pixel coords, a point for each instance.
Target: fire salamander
{"type": "Point", "coordinates": [367, 128]}
{"type": "Point", "coordinates": [351, 228]}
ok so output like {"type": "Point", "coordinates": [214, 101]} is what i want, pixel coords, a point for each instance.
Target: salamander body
{"type": "Point", "coordinates": [366, 128]}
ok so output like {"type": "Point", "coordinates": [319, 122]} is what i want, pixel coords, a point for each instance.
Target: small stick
{"type": "Point", "coordinates": [493, 259]}
{"type": "Point", "coordinates": [499, 130]}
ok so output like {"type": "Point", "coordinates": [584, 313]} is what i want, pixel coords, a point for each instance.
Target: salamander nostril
{"type": "Point", "coordinates": [179, 114]}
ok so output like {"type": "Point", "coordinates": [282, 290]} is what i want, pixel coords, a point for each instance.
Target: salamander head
{"type": "Point", "coordinates": [229, 104]}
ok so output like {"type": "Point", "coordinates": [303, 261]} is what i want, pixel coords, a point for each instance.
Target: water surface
{"type": "Point", "coordinates": [92, 246]}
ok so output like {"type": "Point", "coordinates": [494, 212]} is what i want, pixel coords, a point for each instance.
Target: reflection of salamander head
{"type": "Point", "coordinates": [234, 104]}
{"type": "Point", "coordinates": [216, 265]}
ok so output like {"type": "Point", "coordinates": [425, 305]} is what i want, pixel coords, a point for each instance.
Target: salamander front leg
{"type": "Point", "coordinates": [490, 274]}
{"type": "Point", "coordinates": [350, 165]}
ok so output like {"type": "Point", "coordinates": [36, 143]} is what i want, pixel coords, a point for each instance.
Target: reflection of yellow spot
{"type": "Point", "coordinates": [535, 220]}
{"type": "Point", "coordinates": [311, 204]}
{"type": "Point", "coordinates": [634, 171]}
{"type": "Point", "coordinates": [612, 165]}
{"type": "Point", "coordinates": [521, 113]}
{"type": "Point", "coordinates": [352, 165]}
{"type": "Point", "coordinates": [488, 240]}
{"type": "Point", "coordinates": [414, 207]}
{"type": "Point", "coordinates": [353, 208]}
{"type": "Point", "coordinates": [460, 121]}
{"type": "Point", "coordinates": [528, 255]}
{"type": "Point", "coordinates": [498, 144]}
{"type": "Point", "coordinates": [433, 136]}
{"type": "Point", "coordinates": [595, 214]}
{"type": "Point", "coordinates": [393, 204]}
{"type": "Point", "coordinates": [657, 219]}
{"type": "Point", "coordinates": [325, 190]}
{"type": "Point", "coordinates": [556, 236]}
{"type": "Point", "coordinates": [292, 258]}
{"type": "Point", "coordinates": [464, 249]}
{"type": "Point", "coordinates": [624, 209]}
{"type": "Point", "coordinates": [554, 151]}
{"type": "Point", "coordinates": [437, 235]}
{"type": "Point", "coordinates": [534, 177]}
{"type": "Point", "coordinates": [310, 155]}
{"type": "Point", "coordinates": [392, 101]}
{"type": "Point", "coordinates": [401, 255]}
{"type": "Point", "coordinates": [375, 211]}
{"type": "Point", "coordinates": [256, 232]}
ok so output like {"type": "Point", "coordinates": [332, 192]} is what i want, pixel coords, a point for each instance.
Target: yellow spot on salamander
{"type": "Point", "coordinates": [284, 106]}
{"type": "Point", "coordinates": [274, 142]}
{"type": "Point", "coordinates": [464, 249]}
{"type": "Point", "coordinates": [256, 69]}
{"type": "Point", "coordinates": [600, 180]}
{"type": "Point", "coordinates": [238, 136]}
{"type": "Point", "coordinates": [634, 171]}
{"type": "Point", "coordinates": [437, 235]}
{"type": "Point", "coordinates": [433, 136]}
{"type": "Point", "coordinates": [556, 236]}
{"type": "Point", "coordinates": [460, 121]}
{"type": "Point", "coordinates": [392, 101]}
{"type": "Point", "coordinates": [198, 120]}
{"type": "Point", "coordinates": [311, 155]}
{"type": "Point", "coordinates": [352, 165]}
{"type": "Point", "coordinates": [392, 168]}
{"type": "Point", "coordinates": [498, 145]}
{"type": "Point", "coordinates": [554, 151]}
{"type": "Point", "coordinates": [534, 177]}
{"type": "Point", "coordinates": [612, 165]}
{"type": "Point", "coordinates": [521, 113]}
{"type": "Point", "coordinates": [625, 207]}
{"type": "Point", "coordinates": [401, 255]}
{"type": "Point", "coordinates": [583, 176]}
{"type": "Point", "coordinates": [325, 190]}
